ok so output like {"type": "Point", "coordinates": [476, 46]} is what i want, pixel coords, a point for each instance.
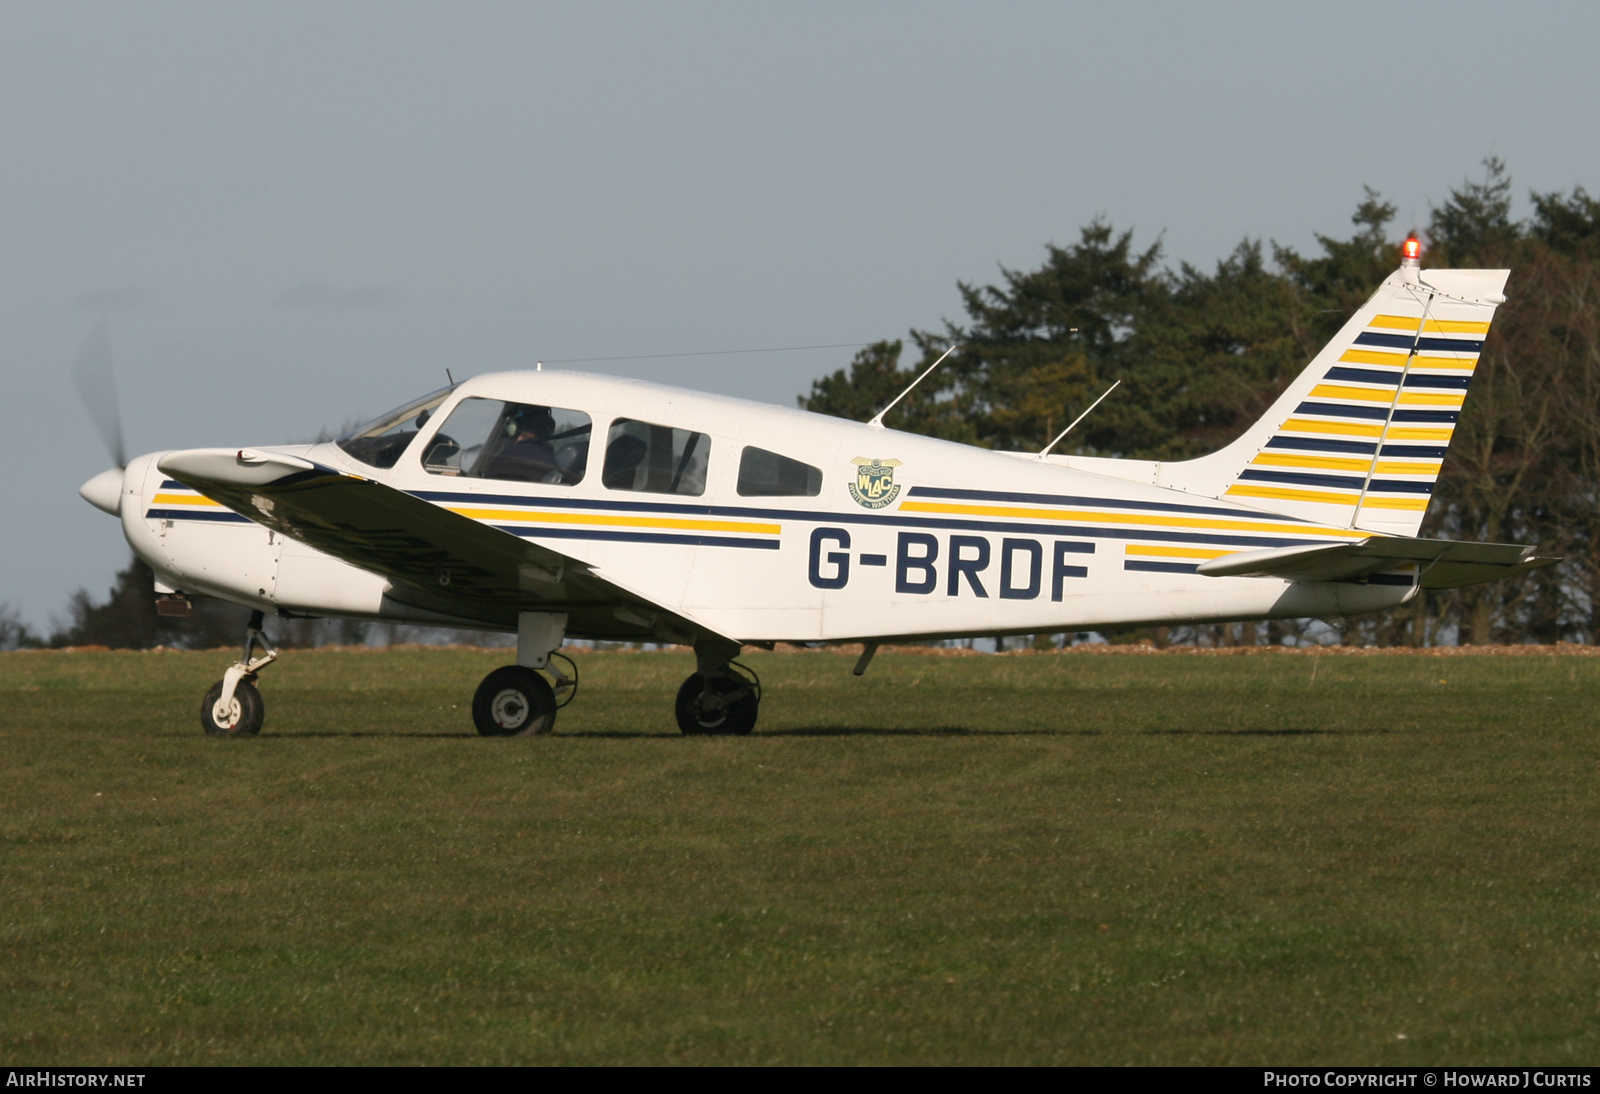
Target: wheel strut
{"type": "Point", "coordinates": [247, 666]}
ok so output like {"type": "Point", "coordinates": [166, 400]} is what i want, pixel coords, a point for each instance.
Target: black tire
{"type": "Point", "coordinates": [514, 702]}
{"type": "Point", "coordinates": [246, 713]}
{"type": "Point", "coordinates": [732, 711]}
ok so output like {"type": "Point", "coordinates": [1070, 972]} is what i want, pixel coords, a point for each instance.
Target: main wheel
{"type": "Point", "coordinates": [514, 702]}
{"type": "Point", "coordinates": [727, 708]}
{"type": "Point", "coordinates": [243, 716]}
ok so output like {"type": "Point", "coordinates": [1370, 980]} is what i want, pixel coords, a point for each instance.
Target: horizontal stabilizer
{"type": "Point", "coordinates": [1444, 564]}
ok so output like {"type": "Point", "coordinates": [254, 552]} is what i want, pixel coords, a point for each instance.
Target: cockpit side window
{"type": "Point", "coordinates": [655, 459]}
{"type": "Point", "coordinates": [764, 474]}
{"type": "Point", "coordinates": [519, 442]}
{"type": "Point", "coordinates": [380, 442]}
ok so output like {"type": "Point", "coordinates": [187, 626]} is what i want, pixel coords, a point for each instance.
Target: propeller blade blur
{"type": "Point", "coordinates": [97, 386]}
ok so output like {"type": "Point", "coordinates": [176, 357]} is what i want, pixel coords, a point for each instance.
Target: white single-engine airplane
{"type": "Point", "coordinates": [559, 504]}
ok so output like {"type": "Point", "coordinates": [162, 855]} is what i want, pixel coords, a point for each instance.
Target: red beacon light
{"type": "Point", "coordinates": [1411, 251]}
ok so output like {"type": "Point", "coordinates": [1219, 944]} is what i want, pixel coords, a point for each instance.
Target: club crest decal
{"type": "Point", "coordinates": [874, 486]}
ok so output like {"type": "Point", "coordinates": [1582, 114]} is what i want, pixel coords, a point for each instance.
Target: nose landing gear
{"type": "Point", "coordinates": [232, 707]}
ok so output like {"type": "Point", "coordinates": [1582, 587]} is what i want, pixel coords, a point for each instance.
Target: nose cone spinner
{"type": "Point", "coordinates": [104, 491]}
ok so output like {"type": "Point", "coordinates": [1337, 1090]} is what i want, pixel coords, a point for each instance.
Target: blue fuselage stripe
{"type": "Point", "coordinates": [821, 515]}
{"type": "Point", "coordinates": [1065, 531]}
{"type": "Point", "coordinates": [223, 517]}
{"type": "Point", "coordinates": [1067, 499]}
{"type": "Point", "coordinates": [1161, 567]}
{"type": "Point", "coordinates": [543, 532]}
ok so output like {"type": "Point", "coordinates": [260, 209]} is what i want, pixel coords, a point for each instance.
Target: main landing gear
{"type": "Point", "coordinates": [232, 706]}
{"type": "Point", "coordinates": [722, 698]}
{"type": "Point", "coordinates": [517, 701]}
{"type": "Point", "coordinates": [521, 700]}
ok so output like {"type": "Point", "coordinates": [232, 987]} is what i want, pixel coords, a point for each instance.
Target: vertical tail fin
{"type": "Point", "coordinates": [1357, 439]}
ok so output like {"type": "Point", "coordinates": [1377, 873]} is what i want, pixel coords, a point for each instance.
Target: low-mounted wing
{"type": "Point", "coordinates": [1446, 564]}
{"type": "Point", "coordinates": [433, 558]}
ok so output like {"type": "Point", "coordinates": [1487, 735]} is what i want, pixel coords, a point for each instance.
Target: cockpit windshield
{"type": "Point", "coordinates": [379, 442]}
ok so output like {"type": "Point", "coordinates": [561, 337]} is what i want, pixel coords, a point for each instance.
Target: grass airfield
{"type": "Point", "coordinates": [1032, 858]}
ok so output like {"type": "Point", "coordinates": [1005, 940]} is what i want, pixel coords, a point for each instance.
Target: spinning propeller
{"type": "Point", "coordinates": [97, 386]}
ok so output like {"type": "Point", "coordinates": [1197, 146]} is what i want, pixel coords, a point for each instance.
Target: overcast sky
{"type": "Point", "coordinates": [297, 215]}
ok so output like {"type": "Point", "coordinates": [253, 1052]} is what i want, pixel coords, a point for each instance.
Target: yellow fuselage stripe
{"type": "Point", "coordinates": [183, 499]}
{"type": "Point", "coordinates": [1119, 518]}
{"type": "Point", "coordinates": [1182, 552]}
{"type": "Point", "coordinates": [609, 520]}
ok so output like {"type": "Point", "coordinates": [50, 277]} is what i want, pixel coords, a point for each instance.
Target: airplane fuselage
{"type": "Point", "coordinates": [904, 536]}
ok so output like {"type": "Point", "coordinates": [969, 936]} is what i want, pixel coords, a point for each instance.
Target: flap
{"type": "Point", "coordinates": [1445, 564]}
{"type": "Point", "coordinates": [432, 557]}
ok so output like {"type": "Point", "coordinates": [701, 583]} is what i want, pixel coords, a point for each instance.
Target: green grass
{"type": "Point", "coordinates": [1023, 859]}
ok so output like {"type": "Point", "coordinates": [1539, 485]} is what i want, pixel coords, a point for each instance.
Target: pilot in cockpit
{"type": "Point", "coordinates": [529, 456]}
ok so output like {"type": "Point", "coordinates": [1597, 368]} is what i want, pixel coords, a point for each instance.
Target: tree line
{"type": "Point", "coordinates": [1201, 355]}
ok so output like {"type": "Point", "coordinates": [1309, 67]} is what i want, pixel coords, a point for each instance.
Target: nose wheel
{"type": "Point", "coordinates": [241, 716]}
{"type": "Point", "coordinates": [232, 707]}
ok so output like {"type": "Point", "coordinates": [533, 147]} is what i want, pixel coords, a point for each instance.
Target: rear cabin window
{"type": "Point", "coordinates": [764, 474]}
{"type": "Point", "coordinates": [517, 442]}
{"type": "Point", "coordinates": [655, 459]}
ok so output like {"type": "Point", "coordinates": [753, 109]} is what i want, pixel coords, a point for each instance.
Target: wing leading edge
{"type": "Point", "coordinates": [434, 559]}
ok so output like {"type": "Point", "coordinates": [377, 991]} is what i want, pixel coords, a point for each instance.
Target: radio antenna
{"type": "Point", "coordinates": [877, 419]}
{"type": "Point", "coordinates": [1045, 451]}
